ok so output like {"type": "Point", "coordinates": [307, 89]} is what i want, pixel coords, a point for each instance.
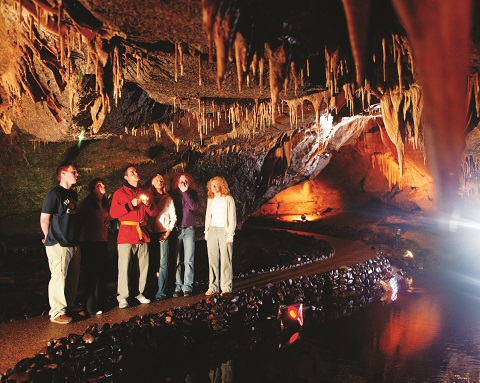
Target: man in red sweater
{"type": "Point", "coordinates": [131, 206]}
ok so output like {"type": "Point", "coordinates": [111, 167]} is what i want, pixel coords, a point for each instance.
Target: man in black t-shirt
{"type": "Point", "coordinates": [57, 221]}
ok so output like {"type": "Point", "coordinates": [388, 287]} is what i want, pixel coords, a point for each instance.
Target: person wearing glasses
{"type": "Point", "coordinates": [162, 226]}
{"type": "Point", "coordinates": [132, 207]}
{"type": "Point", "coordinates": [58, 221]}
{"type": "Point", "coordinates": [185, 199]}
{"type": "Point", "coordinates": [220, 224]}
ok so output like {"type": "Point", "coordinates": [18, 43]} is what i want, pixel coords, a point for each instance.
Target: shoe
{"type": "Point", "coordinates": [225, 293]}
{"type": "Point", "coordinates": [187, 293]}
{"type": "Point", "coordinates": [177, 293]}
{"type": "Point", "coordinates": [162, 298]}
{"type": "Point", "coordinates": [209, 292]}
{"type": "Point", "coordinates": [123, 304]}
{"type": "Point", "coordinates": [61, 319]}
{"type": "Point", "coordinates": [99, 312]}
{"type": "Point", "coordinates": [142, 299]}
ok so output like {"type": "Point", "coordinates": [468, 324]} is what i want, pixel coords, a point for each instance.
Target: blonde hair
{"type": "Point", "coordinates": [222, 183]}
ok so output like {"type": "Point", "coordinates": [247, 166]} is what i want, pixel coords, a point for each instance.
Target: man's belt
{"type": "Point", "coordinates": [133, 223]}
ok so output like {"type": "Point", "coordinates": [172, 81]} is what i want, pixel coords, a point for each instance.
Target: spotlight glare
{"type": "Point", "coordinates": [408, 254]}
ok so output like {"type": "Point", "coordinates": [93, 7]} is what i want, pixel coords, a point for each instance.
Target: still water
{"type": "Point", "coordinates": [430, 333]}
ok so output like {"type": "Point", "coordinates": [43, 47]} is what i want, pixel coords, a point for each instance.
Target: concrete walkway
{"type": "Point", "coordinates": [25, 338]}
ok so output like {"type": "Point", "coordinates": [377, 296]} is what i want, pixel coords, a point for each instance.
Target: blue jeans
{"type": "Point", "coordinates": [184, 274]}
{"type": "Point", "coordinates": [163, 270]}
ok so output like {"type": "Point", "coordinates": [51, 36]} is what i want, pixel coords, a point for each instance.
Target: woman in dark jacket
{"type": "Point", "coordinates": [94, 217]}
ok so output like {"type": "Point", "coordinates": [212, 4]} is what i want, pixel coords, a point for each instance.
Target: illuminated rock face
{"type": "Point", "coordinates": [250, 79]}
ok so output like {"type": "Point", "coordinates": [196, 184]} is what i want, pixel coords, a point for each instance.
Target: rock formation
{"type": "Point", "coordinates": [262, 92]}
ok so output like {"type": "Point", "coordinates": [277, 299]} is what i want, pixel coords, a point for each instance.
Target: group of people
{"type": "Point", "coordinates": [76, 238]}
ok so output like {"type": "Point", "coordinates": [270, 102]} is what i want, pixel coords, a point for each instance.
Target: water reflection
{"type": "Point", "coordinates": [410, 330]}
{"type": "Point", "coordinates": [431, 333]}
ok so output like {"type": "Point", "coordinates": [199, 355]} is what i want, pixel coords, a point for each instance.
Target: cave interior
{"type": "Point", "coordinates": [305, 108]}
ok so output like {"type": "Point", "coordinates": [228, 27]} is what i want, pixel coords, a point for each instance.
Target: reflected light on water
{"type": "Point", "coordinates": [298, 217]}
{"type": "Point", "coordinates": [410, 331]}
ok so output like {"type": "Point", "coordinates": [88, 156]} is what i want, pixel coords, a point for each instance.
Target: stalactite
{"type": "Point", "coordinates": [474, 88]}
{"type": "Point", "coordinates": [261, 64]}
{"type": "Point", "coordinates": [199, 70]}
{"type": "Point", "coordinates": [98, 114]}
{"type": "Point", "coordinates": [317, 100]}
{"type": "Point", "coordinates": [357, 15]}
{"type": "Point", "coordinates": [414, 104]}
{"type": "Point", "coordinates": [6, 124]}
{"type": "Point", "coordinates": [277, 65]}
{"type": "Point", "coordinates": [176, 63]}
{"type": "Point", "coordinates": [240, 58]}
{"type": "Point", "coordinates": [158, 131]}
{"type": "Point", "coordinates": [390, 104]}
{"type": "Point", "coordinates": [293, 111]}
{"type": "Point", "coordinates": [11, 83]}
{"type": "Point", "coordinates": [209, 12]}
{"type": "Point", "coordinates": [332, 66]}
{"type": "Point", "coordinates": [117, 70]}
{"type": "Point", "coordinates": [384, 59]}
{"type": "Point", "coordinates": [180, 54]}
{"type": "Point", "coordinates": [349, 96]}
{"type": "Point", "coordinates": [295, 77]}
{"type": "Point", "coordinates": [388, 167]}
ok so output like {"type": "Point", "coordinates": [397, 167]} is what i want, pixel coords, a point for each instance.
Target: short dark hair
{"type": "Point", "coordinates": [126, 168]}
{"type": "Point", "coordinates": [93, 183]}
{"type": "Point", "coordinates": [63, 168]}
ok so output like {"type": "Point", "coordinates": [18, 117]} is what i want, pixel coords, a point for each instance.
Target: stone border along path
{"type": "Point", "coordinates": [24, 339]}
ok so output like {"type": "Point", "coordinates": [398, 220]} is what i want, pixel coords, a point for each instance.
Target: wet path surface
{"type": "Point", "coordinates": [21, 339]}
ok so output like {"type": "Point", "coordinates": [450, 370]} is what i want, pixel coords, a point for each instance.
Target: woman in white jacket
{"type": "Point", "coordinates": [163, 225]}
{"type": "Point", "coordinates": [220, 224]}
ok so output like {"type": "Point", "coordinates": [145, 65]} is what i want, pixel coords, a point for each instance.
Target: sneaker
{"type": "Point", "coordinates": [99, 312]}
{"type": "Point", "coordinates": [123, 304]}
{"type": "Point", "coordinates": [142, 299]}
{"type": "Point", "coordinates": [177, 293]}
{"type": "Point", "coordinates": [187, 293]}
{"type": "Point", "coordinates": [61, 319]}
{"type": "Point", "coordinates": [209, 292]}
{"type": "Point", "coordinates": [161, 298]}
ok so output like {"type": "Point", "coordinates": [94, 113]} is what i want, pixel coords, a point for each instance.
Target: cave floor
{"type": "Point", "coordinates": [25, 338]}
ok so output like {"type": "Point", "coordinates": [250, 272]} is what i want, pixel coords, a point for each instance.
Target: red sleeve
{"type": "Point", "coordinates": [121, 205]}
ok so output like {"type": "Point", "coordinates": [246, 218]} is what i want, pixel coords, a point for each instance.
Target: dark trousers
{"type": "Point", "coordinates": [93, 276]}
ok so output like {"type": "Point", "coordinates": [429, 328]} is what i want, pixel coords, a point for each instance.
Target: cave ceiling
{"type": "Point", "coordinates": [230, 73]}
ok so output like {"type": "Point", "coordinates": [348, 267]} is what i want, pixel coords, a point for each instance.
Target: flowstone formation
{"type": "Point", "coordinates": [218, 77]}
